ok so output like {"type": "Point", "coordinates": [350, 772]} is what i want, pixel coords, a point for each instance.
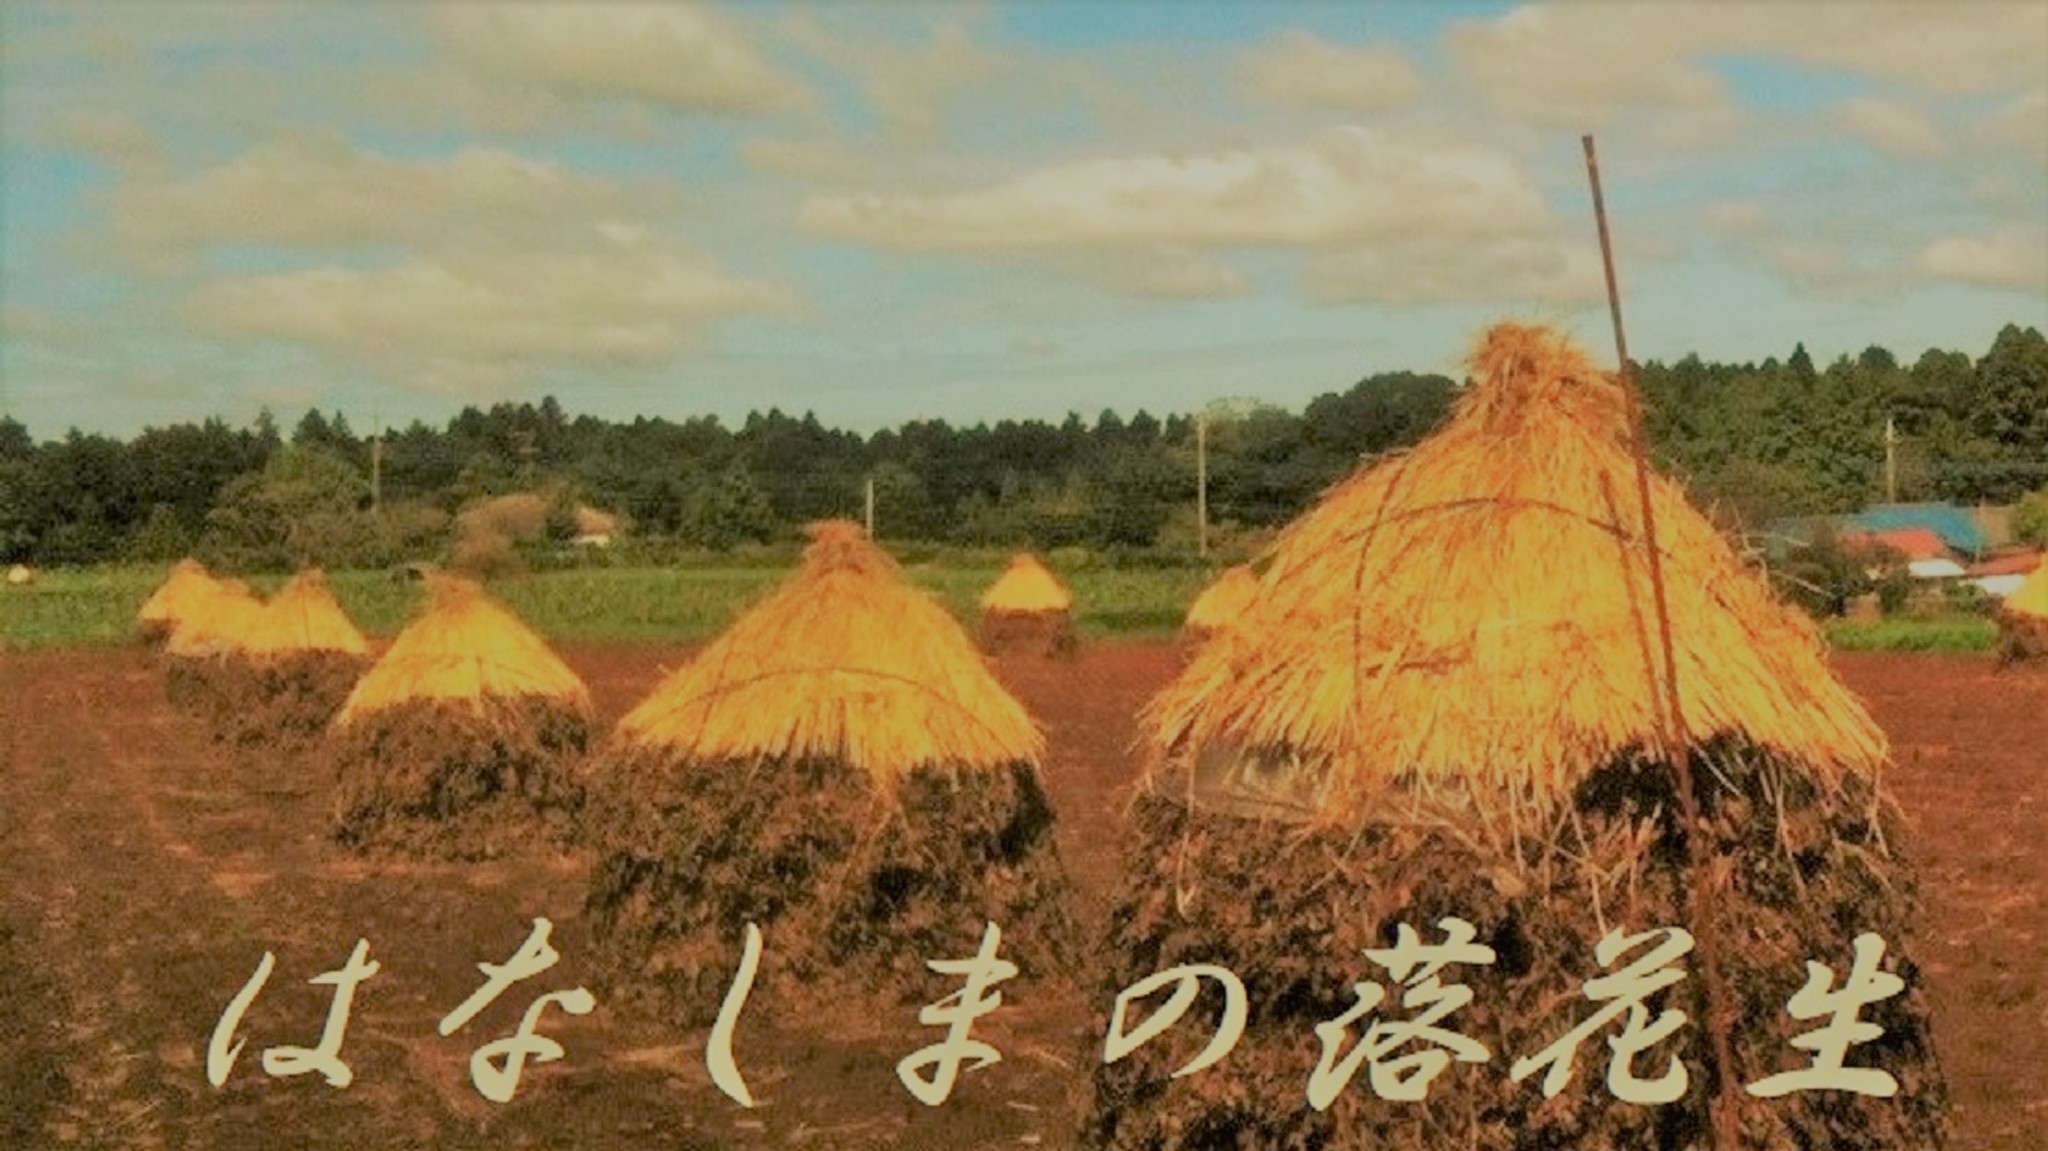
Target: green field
{"type": "Point", "coordinates": [692, 603]}
{"type": "Point", "coordinates": [630, 605]}
{"type": "Point", "coordinates": [1942, 633]}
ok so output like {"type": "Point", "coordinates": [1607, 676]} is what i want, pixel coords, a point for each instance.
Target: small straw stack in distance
{"type": "Point", "coordinates": [1223, 602]}
{"type": "Point", "coordinates": [465, 651]}
{"type": "Point", "coordinates": [457, 742]}
{"type": "Point", "coordinates": [1025, 586]}
{"type": "Point", "coordinates": [201, 641]}
{"type": "Point", "coordinates": [841, 768]}
{"type": "Point", "coordinates": [186, 587]}
{"type": "Point", "coordinates": [303, 616]}
{"type": "Point", "coordinates": [2023, 622]}
{"type": "Point", "coordinates": [848, 662]}
{"type": "Point", "coordinates": [289, 667]}
{"type": "Point", "coordinates": [1027, 610]}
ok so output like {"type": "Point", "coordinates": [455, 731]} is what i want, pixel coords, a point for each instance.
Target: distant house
{"type": "Point", "coordinates": [1913, 543]}
{"type": "Point", "coordinates": [1928, 556]}
{"type": "Point", "coordinates": [1958, 529]}
{"type": "Point", "coordinates": [594, 528]}
{"type": "Point", "coordinates": [2000, 576]}
{"type": "Point", "coordinates": [1940, 537]}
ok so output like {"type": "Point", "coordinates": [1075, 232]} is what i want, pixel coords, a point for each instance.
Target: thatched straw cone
{"type": "Point", "coordinates": [289, 668]}
{"type": "Point", "coordinates": [840, 768]}
{"type": "Point", "coordinates": [208, 630]}
{"type": "Point", "coordinates": [1222, 603]}
{"type": "Point", "coordinates": [1027, 611]}
{"type": "Point", "coordinates": [2023, 622]}
{"type": "Point", "coordinates": [456, 742]}
{"type": "Point", "coordinates": [183, 590]}
{"type": "Point", "coordinates": [1441, 704]}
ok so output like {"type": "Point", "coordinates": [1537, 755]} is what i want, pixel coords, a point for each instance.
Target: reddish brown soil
{"type": "Point", "coordinates": [148, 871]}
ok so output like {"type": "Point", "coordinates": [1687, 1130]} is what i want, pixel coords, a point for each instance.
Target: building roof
{"type": "Point", "coordinates": [1956, 527]}
{"type": "Point", "coordinates": [1913, 543]}
{"type": "Point", "coordinates": [2016, 563]}
{"type": "Point", "coordinates": [1999, 585]}
{"type": "Point", "coordinates": [1935, 569]}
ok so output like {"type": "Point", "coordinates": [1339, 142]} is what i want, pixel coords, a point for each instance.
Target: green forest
{"type": "Point", "coordinates": [1753, 442]}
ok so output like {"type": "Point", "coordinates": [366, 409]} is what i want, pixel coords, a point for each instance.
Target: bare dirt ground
{"type": "Point", "coordinates": [147, 873]}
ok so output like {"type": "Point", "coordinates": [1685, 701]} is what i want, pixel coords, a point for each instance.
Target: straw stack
{"type": "Point", "coordinates": [1221, 604]}
{"type": "Point", "coordinates": [290, 666]}
{"type": "Point", "coordinates": [840, 768]}
{"type": "Point", "coordinates": [2023, 622]}
{"type": "Point", "coordinates": [456, 742]}
{"type": "Point", "coordinates": [1027, 611]}
{"type": "Point", "coordinates": [1441, 704]}
{"type": "Point", "coordinates": [187, 586]}
{"type": "Point", "coordinates": [212, 617]}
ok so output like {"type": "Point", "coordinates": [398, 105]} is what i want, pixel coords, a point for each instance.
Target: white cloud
{"type": "Point", "coordinates": [1809, 262]}
{"type": "Point", "coordinates": [682, 56]}
{"type": "Point", "coordinates": [1164, 273]}
{"type": "Point", "coordinates": [1942, 47]}
{"type": "Point", "coordinates": [1425, 269]}
{"type": "Point", "coordinates": [1825, 265]}
{"type": "Point", "coordinates": [908, 87]}
{"type": "Point", "coordinates": [2021, 126]}
{"type": "Point", "coordinates": [1891, 127]}
{"type": "Point", "coordinates": [1699, 127]}
{"type": "Point", "coordinates": [1344, 187]}
{"type": "Point", "coordinates": [622, 297]}
{"type": "Point", "coordinates": [2014, 258]}
{"type": "Point", "coordinates": [111, 135]}
{"type": "Point", "coordinates": [1737, 217]}
{"type": "Point", "coordinates": [325, 194]}
{"type": "Point", "coordinates": [813, 161]}
{"type": "Point", "coordinates": [1298, 70]}
{"type": "Point", "coordinates": [1582, 65]}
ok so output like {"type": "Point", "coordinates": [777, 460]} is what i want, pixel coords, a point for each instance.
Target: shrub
{"type": "Point", "coordinates": [1966, 597]}
{"type": "Point", "coordinates": [1894, 588]}
{"type": "Point", "coordinates": [1822, 577]}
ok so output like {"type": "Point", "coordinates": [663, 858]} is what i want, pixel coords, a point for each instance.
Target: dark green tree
{"type": "Point", "coordinates": [728, 510]}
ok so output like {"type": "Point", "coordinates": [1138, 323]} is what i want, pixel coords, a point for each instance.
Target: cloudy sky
{"type": "Point", "coordinates": [974, 211]}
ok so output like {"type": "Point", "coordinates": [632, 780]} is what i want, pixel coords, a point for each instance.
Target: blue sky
{"type": "Point", "coordinates": [977, 211]}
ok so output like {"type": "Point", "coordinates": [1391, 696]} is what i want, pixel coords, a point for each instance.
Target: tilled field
{"type": "Point", "coordinates": [149, 872]}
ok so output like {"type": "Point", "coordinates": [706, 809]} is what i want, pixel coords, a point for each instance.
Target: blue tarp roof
{"type": "Point", "coordinates": [1956, 527]}
{"type": "Point", "coordinates": [1951, 523]}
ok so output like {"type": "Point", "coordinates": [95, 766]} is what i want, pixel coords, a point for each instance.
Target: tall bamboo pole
{"type": "Point", "coordinates": [1726, 1126]}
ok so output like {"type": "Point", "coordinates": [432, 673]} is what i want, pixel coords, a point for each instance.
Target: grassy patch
{"type": "Point", "coordinates": [613, 605]}
{"type": "Point", "coordinates": [687, 604]}
{"type": "Point", "coordinates": [1945, 633]}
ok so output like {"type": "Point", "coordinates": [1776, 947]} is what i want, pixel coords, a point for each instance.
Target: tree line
{"type": "Point", "coordinates": [1753, 442]}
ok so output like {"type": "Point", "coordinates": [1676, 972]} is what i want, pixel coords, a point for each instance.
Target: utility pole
{"type": "Point", "coordinates": [376, 463]}
{"type": "Point", "coordinates": [525, 448]}
{"type": "Point", "coordinates": [871, 507]}
{"type": "Point", "coordinates": [1202, 484]}
{"type": "Point", "coordinates": [1891, 462]}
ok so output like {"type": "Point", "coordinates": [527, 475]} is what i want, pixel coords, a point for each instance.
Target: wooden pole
{"type": "Point", "coordinates": [1891, 462]}
{"type": "Point", "coordinates": [376, 463]}
{"type": "Point", "coordinates": [1202, 484]}
{"type": "Point", "coordinates": [871, 507]}
{"type": "Point", "coordinates": [1726, 1124]}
